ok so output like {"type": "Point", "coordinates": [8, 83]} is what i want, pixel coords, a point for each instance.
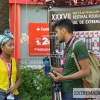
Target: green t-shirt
{"type": "Point", "coordinates": [70, 67]}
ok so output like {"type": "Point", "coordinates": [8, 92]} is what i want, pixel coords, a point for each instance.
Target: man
{"type": "Point", "coordinates": [70, 77]}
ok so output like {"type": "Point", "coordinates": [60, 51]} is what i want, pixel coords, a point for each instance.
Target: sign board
{"type": "Point", "coordinates": [26, 1]}
{"type": "Point", "coordinates": [39, 39]}
{"type": "Point", "coordinates": [86, 22]}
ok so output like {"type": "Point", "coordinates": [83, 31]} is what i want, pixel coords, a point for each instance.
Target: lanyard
{"type": "Point", "coordinates": [7, 65]}
{"type": "Point", "coordinates": [71, 42]}
{"type": "Point", "coordinates": [64, 58]}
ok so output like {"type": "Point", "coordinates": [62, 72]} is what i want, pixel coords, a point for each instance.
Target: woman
{"type": "Point", "coordinates": [10, 77]}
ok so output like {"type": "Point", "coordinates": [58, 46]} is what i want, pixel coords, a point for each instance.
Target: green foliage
{"type": "Point", "coordinates": [35, 86]}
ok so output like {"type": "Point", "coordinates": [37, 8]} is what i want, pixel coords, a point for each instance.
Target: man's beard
{"type": "Point", "coordinates": [61, 41]}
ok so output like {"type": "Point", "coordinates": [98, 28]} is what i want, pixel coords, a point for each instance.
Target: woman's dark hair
{"type": "Point", "coordinates": [64, 23]}
{"type": "Point", "coordinates": [0, 50]}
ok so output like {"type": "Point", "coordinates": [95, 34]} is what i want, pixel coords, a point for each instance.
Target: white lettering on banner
{"type": "Point", "coordinates": [86, 16]}
{"type": "Point", "coordinates": [86, 93]}
{"type": "Point", "coordinates": [92, 21]}
{"type": "Point", "coordinates": [38, 42]}
{"type": "Point", "coordinates": [81, 21]}
{"type": "Point", "coordinates": [78, 22]}
{"type": "Point", "coordinates": [42, 29]}
{"type": "Point", "coordinates": [60, 16]}
{"type": "Point", "coordinates": [45, 41]}
{"type": "Point", "coordinates": [42, 49]}
{"type": "Point", "coordinates": [79, 16]}
{"type": "Point", "coordinates": [94, 15]}
{"type": "Point", "coordinates": [75, 22]}
{"type": "Point", "coordinates": [38, 29]}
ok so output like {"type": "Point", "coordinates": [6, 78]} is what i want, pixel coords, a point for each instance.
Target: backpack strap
{"type": "Point", "coordinates": [73, 55]}
{"type": "Point", "coordinates": [86, 81]}
{"type": "Point", "coordinates": [74, 44]}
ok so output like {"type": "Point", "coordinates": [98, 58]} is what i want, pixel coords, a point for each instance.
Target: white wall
{"type": "Point", "coordinates": [33, 14]}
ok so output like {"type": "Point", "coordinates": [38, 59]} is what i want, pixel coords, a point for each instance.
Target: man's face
{"type": "Point", "coordinates": [59, 34]}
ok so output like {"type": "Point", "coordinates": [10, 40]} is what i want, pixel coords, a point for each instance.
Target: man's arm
{"type": "Point", "coordinates": [84, 72]}
{"type": "Point", "coordinates": [56, 69]}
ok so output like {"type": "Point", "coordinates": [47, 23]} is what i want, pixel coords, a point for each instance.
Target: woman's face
{"type": "Point", "coordinates": [8, 47]}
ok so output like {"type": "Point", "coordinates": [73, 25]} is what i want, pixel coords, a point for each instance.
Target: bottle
{"type": "Point", "coordinates": [46, 62]}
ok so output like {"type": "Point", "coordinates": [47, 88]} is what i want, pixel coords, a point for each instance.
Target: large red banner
{"type": "Point", "coordinates": [27, 1]}
{"type": "Point", "coordinates": [39, 39]}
